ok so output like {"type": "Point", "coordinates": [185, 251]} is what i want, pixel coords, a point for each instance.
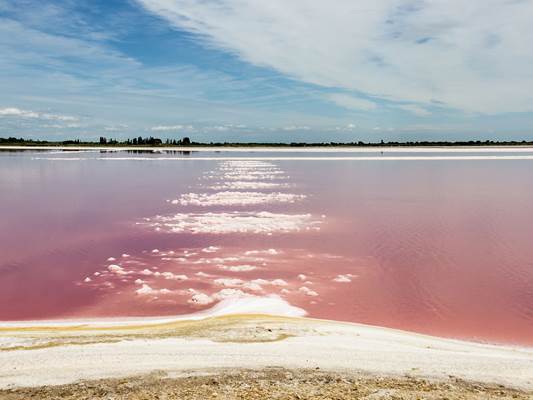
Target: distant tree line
{"type": "Point", "coordinates": [138, 141]}
{"type": "Point", "coordinates": [151, 141]}
{"type": "Point", "coordinates": [148, 141]}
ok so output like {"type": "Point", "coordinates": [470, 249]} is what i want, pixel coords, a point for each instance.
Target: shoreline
{"type": "Point", "coordinates": [271, 306]}
{"type": "Point", "coordinates": [287, 149]}
{"type": "Point", "coordinates": [109, 324]}
{"type": "Point", "coordinates": [36, 355]}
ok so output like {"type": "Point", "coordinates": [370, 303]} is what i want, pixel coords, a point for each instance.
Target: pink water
{"type": "Point", "coordinates": [442, 247]}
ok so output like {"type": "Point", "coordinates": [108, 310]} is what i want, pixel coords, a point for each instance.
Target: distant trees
{"type": "Point", "coordinates": [13, 140]}
{"type": "Point", "coordinates": [147, 141]}
{"type": "Point", "coordinates": [151, 141]}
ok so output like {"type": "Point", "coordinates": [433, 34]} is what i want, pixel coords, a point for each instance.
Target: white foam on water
{"type": "Point", "coordinates": [174, 277]}
{"type": "Point", "coordinates": [343, 278]}
{"type": "Point", "coordinates": [308, 292]}
{"type": "Point", "coordinates": [248, 185]}
{"type": "Point", "coordinates": [117, 269]}
{"type": "Point", "coordinates": [210, 249]}
{"type": "Point", "coordinates": [238, 268]}
{"type": "Point", "coordinates": [248, 176]}
{"type": "Point", "coordinates": [229, 282]}
{"type": "Point", "coordinates": [262, 222]}
{"type": "Point", "coordinates": [270, 252]}
{"type": "Point", "coordinates": [148, 290]}
{"type": "Point", "coordinates": [274, 282]}
{"type": "Point", "coordinates": [200, 299]}
{"type": "Point", "coordinates": [236, 198]}
{"type": "Point", "coordinates": [229, 293]}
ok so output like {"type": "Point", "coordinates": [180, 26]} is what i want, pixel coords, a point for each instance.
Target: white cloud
{"type": "Point", "coordinates": [14, 112]}
{"type": "Point", "coordinates": [220, 128]}
{"type": "Point", "coordinates": [164, 128]}
{"type": "Point", "coordinates": [58, 126]}
{"type": "Point", "coordinates": [474, 56]}
{"type": "Point", "coordinates": [351, 102]}
{"type": "Point", "coordinates": [296, 128]}
{"type": "Point", "coordinates": [17, 112]}
{"type": "Point", "coordinates": [116, 128]}
{"type": "Point", "coordinates": [114, 86]}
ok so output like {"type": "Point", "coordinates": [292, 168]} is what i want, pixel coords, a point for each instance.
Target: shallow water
{"type": "Point", "coordinates": [439, 246]}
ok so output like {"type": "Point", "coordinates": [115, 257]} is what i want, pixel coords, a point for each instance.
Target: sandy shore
{"type": "Point", "coordinates": [32, 356]}
{"type": "Point", "coordinates": [268, 383]}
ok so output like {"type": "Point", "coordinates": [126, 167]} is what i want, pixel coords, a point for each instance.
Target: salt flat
{"type": "Point", "coordinates": [62, 354]}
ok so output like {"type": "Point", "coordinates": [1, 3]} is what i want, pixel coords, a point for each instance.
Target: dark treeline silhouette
{"type": "Point", "coordinates": [149, 141]}
{"type": "Point", "coordinates": [157, 142]}
{"type": "Point", "coordinates": [103, 141]}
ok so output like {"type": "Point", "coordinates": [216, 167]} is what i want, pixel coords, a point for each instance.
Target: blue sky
{"type": "Point", "coordinates": [305, 70]}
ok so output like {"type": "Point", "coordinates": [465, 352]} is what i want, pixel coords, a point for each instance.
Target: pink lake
{"type": "Point", "coordinates": [441, 245]}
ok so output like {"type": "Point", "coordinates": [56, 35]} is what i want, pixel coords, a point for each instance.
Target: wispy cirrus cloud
{"type": "Point", "coordinates": [67, 56]}
{"type": "Point", "coordinates": [472, 56]}
{"type": "Point", "coordinates": [415, 109]}
{"type": "Point", "coordinates": [352, 102]}
{"type": "Point", "coordinates": [267, 71]}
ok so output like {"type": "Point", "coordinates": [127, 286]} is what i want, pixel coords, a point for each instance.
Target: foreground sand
{"type": "Point", "coordinates": [33, 356]}
{"type": "Point", "coordinates": [268, 383]}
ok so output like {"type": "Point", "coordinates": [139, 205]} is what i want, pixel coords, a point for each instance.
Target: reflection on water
{"type": "Point", "coordinates": [434, 246]}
